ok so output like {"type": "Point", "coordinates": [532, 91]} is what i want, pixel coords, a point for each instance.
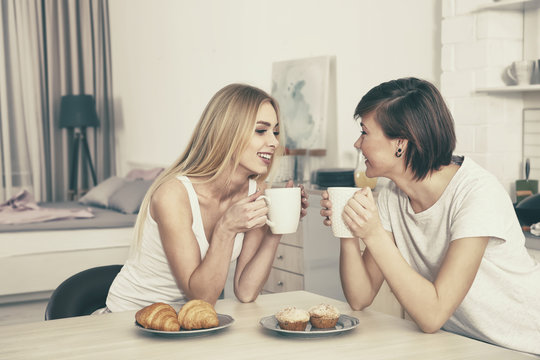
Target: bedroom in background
{"type": "Point", "coordinates": [52, 49]}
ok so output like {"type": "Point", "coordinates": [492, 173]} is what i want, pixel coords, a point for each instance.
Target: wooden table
{"type": "Point", "coordinates": [114, 336]}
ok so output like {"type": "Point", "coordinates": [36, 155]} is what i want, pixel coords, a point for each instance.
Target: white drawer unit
{"type": "Point", "coordinates": [289, 258]}
{"type": "Point", "coordinates": [280, 281]}
{"type": "Point", "coordinates": [287, 272]}
{"type": "Point", "coordinates": [295, 239]}
{"type": "Point", "coordinates": [309, 259]}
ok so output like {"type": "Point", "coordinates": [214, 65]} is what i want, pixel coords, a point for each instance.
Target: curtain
{"type": "Point", "coordinates": [22, 107]}
{"type": "Point", "coordinates": [54, 48]}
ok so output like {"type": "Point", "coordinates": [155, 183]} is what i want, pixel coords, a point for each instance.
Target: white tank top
{"type": "Point", "coordinates": [146, 279]}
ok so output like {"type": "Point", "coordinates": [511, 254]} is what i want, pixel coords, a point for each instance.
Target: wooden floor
{"type": "Point", "coordinates": [23, 312]}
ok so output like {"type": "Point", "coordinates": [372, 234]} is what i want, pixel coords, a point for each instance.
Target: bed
{"type": "Point", "coordinates": [36, 258]}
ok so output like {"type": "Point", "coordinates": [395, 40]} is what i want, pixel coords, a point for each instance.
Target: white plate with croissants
{"type": "Point", "coordinates": [194, 317]}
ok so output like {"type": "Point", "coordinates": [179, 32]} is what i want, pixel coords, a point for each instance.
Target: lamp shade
{"type": "Point", "coordinates": [78, 111]}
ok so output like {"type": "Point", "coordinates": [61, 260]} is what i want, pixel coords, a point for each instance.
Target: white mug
{"type": "Point", "coordinates": [521, 71]}
{"type": "Point", "coordinates": [339, 196]}
{"type": "Point", "coordinates": [283, 209]}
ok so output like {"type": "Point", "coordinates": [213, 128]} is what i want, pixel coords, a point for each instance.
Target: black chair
{"type": "Point", "coordinates": [82, 293]}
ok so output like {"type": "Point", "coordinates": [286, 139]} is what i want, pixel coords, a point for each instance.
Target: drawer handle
{"type": "Point", "coordinates": [280, 283]}
{"type": "Point", "coordinates": [280, 257]}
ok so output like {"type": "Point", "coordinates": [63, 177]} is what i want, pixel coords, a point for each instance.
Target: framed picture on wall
{"type": "Point", "coordinates": [301, 88]}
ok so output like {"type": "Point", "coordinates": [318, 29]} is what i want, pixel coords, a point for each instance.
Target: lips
{"type": "Point", "coordinates": [265, 156]}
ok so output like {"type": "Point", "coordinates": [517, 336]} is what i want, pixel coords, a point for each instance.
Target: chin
{"type": "Point", "coordinates": [370, 174]}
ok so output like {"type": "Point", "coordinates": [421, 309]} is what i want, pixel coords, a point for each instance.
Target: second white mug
{"type": "Point", "coordinates": [339, 196]}
{"type": "Point", "coordinates": [521, 71]}
{"type": "Point", "coordinates": [283, 209]}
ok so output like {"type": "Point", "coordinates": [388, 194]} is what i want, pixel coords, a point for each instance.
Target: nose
{"type": "Point", "coordinates": [274, 142]}
{"type": "Point", "coordinates": [358, 143]}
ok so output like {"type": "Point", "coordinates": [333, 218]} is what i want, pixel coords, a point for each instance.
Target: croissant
{"type": "Point", "coordinates": [197, 314]}
{"type": "Point", "coordinates": [158, 316]}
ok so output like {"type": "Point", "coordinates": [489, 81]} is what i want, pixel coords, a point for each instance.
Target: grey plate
{"type": "Point", "coordinates": [345, 323]}
{"type": "Point", "coordinates": [224, 321]}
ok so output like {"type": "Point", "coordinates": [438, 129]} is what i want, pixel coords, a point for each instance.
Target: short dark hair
{"type": "Point", "coordinates": [413, 109]}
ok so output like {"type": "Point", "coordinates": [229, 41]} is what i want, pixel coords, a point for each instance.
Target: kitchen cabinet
{"type": "Point", "coordinates": [309, 260]}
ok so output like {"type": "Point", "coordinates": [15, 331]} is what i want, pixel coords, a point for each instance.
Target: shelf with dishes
{"type": "Point", "coordinates": [510, 89]}
{"type": "Point", "coordinates": [510, 5]}
{"type": "Point", "coordinates": [529, 65]}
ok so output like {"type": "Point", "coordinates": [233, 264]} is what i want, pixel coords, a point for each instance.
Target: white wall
{"type": "Point", "coordinates": [170, 56]}
{"type": "Point", "coordinates": [476, 49]}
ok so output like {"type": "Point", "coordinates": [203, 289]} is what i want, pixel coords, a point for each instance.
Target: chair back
{"type": "Point", "coordinates": [82, 293]}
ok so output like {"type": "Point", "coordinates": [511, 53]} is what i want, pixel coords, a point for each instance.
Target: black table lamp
{"type": "Point", "coordinates": [78, 112]}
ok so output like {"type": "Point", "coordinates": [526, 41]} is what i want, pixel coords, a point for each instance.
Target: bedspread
{"type": "Point", "coordinates": [22, 209]}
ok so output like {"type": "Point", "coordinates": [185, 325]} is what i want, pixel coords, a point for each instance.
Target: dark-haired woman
{"type": "Point", "coordinates": [443, 233]}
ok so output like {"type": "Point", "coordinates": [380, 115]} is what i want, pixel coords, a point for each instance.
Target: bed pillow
{"type": "Point", "coordinates": [142, 174]}
{"type": "Point", "coordinates": [100, 194]}
{"type": "Point", "coordinates": [129, 197]}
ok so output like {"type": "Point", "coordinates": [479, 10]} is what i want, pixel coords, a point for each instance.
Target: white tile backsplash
{"type": "Point", "coordinates": [457, 83]}
{"type": "Point", "coordinates": [458, 29]}
{"type": "Point", "coordinates": [486, 53]}
{"type": "Point", "coordinates": [499, 25]}
{"type": "Point", "coordinates": [467, 6]}
{"type": "Point", "coordinates": [489, 77]}
{"type": "Point", "coordinates": [465, 139]}
{"type": "Point", "coordinates": [476, 48]}
{"type": "Point", "coordinates": [497, 139]}
{"type": "Point", "coordinates": [448, 57]}
{"type": "Point", "coordinates": [479, 110]}
{"type": "Point", "coordinates": [448, 8]}
{"type": "Point", "coordinates": [471, 55]}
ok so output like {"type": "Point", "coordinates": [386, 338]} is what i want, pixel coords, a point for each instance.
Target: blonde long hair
{"type": "Point", "coordinates": [223, 131]}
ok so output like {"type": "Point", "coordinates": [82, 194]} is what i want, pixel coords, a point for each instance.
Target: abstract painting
{"type": "Point", "coordinates": [301, 88]}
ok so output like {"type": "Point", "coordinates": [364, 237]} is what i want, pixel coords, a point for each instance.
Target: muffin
{"type": "Point", "coordinates": [323, 316]}
{"type": "Point", "coordinates": [291, 318]}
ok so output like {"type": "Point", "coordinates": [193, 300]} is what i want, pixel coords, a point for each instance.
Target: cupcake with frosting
{"type": "Point", "coordinates": [323, 316]}
{"type": "Point", "coordinates": [291, 318]}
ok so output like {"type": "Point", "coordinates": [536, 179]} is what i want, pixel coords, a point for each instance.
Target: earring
{"type": "Point", "coordinates": [398, 152]}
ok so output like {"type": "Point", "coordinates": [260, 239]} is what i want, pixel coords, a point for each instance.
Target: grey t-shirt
{"type": "Point", "coordinates": [503, 304]}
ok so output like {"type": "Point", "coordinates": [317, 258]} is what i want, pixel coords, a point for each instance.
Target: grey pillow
{"type": "Point", "coordinates": [128, 199]}
{"type": "Point", "coordinates": [100, 194]}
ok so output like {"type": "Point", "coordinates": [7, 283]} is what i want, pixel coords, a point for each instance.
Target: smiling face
{"type": "Point", "coordinates": [257, 158]}
{"type": "Point", "coordinates": [378, 149]}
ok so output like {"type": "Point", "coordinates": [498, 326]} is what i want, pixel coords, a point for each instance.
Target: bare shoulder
{"type": "Point", "coordinates": [170, 198]}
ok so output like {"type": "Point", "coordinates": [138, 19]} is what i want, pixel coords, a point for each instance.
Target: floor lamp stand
{"type": "Point", "coordinates": [79, 136]}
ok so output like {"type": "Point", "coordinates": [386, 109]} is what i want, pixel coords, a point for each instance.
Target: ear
{"type": "Point", "coordinates": [402, 144]}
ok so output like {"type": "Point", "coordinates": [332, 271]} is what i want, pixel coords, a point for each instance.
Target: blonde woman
{"type": "Point", "coordinates": [202, 213]}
